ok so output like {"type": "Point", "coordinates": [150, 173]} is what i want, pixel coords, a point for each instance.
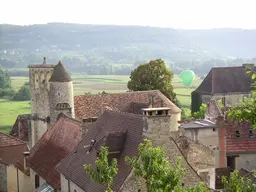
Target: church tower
{"type": "Point", "coordinates": [39, 76]}
{"type": "Point", "coordinates": [61, 94]}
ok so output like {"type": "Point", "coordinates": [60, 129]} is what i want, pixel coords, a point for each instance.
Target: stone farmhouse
{"type": "Point", "coordinates": [229, 84]}
{"type": "Point", "coordinates": [64, 132]}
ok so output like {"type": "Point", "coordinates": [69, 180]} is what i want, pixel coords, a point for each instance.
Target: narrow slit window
{"type": "Point", "coordinates": [237, 134]}
{"type": "Point", "coordinates": [250, 133]}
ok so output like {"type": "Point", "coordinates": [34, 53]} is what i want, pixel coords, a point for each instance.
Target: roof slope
{"type": "Point", "coordinates": [93, 105]}
{"type": "Point", "coordinates": [21, 127]}
{"type": "Point", "coordinates": [53, 146]}
{"type": "Point", "coordinates": [7, 140]}
{"type": "Point", "coordinates": [60, 74]}
{"type": "Point", "coordinates": [109, 121]}
{"type": "Point", "coordinates": [226, 80]}
{"type": "Point", "coordinates": [11, 149]}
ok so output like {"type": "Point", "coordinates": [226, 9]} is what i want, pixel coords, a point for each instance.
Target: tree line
{"type": "Point", "coordinates": [6, 90]}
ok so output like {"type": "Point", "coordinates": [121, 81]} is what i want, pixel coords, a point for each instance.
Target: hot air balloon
{"type": "Point", "coordinates": [187, 77]}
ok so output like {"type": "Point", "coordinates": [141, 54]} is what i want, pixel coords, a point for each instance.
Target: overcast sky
{"type": "Point", "coordinates": [160, 13]}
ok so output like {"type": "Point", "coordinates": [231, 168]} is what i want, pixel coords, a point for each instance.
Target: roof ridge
{"type": "Point", "coordinates": [128, 92]}
{"type": "Point", "coordinates": [124, 113]}
{"type": "Point", "coordinates": [185, 158]}
{"type": "Point", "coordinates": [23, 142]}
{"type": "Point", "coordinates": [69, 118]}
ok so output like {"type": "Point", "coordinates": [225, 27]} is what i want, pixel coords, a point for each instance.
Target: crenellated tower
{"type": "Point", "coordinates": [39, 76]}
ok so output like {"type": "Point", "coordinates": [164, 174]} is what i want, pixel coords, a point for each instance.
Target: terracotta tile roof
{"type": "Point", "coordinates": [11, 149]}
{"type": "Point", "coordinates": [21, 127]}
{"type": "Point", "coordinates": [110, 121]}
{"type": "Point", "coordinates": [93, 105]}
{"type": "Point", "coordinates": [135, 108]}
{"type": "Point", "coordinates": [7, 140]}
{"type": "Point", "coordinates": [226, 80]}
{"type": "Point", "coordinates": [54, 145]}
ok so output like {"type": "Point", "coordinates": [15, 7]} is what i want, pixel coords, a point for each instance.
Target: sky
{"type": "Point", "coordinates": [186, 14]}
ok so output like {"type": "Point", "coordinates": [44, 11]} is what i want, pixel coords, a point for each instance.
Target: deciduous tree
{"type": "Point", "coordinates": [237, 183]}
{"type": "Point", "coordinates": [159, 174]}
{"type": "Point", "coordinates": [153, 76]}
{"type": "Point", "coordinates": [105, 172]}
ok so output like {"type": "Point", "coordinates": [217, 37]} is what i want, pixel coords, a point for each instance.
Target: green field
{"type": "Point", "coordinates": [85, 84]}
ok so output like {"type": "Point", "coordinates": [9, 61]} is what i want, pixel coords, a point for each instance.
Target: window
{"type": "Point", "coordinates": [37, 181]}
{"type": "Point", "coordinates": [237, 134]}
{"type": "Point", "coordinates": [250, 133]}
{"type": "Point", "coordinates": [231, 161]}
{"type": "Point", "coordinates": [223, 101]}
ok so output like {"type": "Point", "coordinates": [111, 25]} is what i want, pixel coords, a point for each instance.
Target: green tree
{"type": "Point", "coordinates": [201, 113]}
{"type": "Point", "coordinates": [159, 174]}
{"type": "Point", "coordinates": [151, 76]}
{"type": "Point", "coordinates": [237, 183]}
{"type": "Point", "coordinates": [105, 172]}
{"type": "Point", "coordinates": [23, 94]}
{"type": "Point", "coordinates": [5, 80]}
{"type": "Point", "coordinates": [245, 111]}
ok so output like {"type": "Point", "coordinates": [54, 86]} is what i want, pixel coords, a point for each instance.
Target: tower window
{"type": "Point", "coordinates": [250, 133]}
{"type": "Point", "coordinates": [237, 134]}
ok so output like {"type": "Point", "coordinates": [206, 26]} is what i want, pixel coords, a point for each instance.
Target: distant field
{"type": "Point", "coordinates": [85, 84]}
{"type": "Point", "coordinates": [9, 110]}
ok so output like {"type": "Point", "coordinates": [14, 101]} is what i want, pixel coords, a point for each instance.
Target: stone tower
{"type": "Point", "coordinates": [39, 76]}
{"type": "Point", "coordinates": [61, 93]}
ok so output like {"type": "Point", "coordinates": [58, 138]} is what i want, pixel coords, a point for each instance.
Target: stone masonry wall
{"type": "Point", "coordinates": [133, 184]}
{"type": "Point", "coordinates": [3, 178]}
{"type": "Point", "coordinates": [61, 92]}
{"type": "Point", "coordinates": [159, 132]}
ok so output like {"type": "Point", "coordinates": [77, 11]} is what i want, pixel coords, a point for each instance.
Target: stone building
{"type": "Point", "coordinates": [122, 133]}
{"type": "Point", "coordinates": [229, 84]}
{"type": "Point", "coordinates": [55, 144]}
{"type": "Point", "coordinates": [51, 90]}
{"type": "Point", "coordinates": [12, 177]}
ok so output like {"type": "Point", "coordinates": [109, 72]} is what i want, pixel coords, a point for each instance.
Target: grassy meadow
{"type": "Point", "coordinates": [85, 84]}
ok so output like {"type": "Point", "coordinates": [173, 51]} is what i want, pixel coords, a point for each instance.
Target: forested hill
{"type": "Point", "coordinates": [227, 42]}
{"type": "Point", "coordinates": [105, 47]}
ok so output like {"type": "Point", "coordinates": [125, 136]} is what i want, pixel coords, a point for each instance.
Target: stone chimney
{"type": "Point", "coordinates": [158, 123]}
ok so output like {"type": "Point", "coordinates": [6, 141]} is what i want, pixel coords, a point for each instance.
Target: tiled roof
{"type": "Point", "coordinates": [93, 105]}
{"type": "Point", "coordinates": [53, 146]}
{"type": "Point", "coordinates": [11, 149]}
{"type": "Point", "coordinates": [226, 80]}
{"type": "Point", "coordinates": [60, 74]}
{"type": "Point", "coordinates": [21, 127]}
{"type": "Point", "coordinates": [7, 140]}
{"type": "Point", "coordinates": [135, 108]}
{"type": "Point", "coordinates": [110, 121]}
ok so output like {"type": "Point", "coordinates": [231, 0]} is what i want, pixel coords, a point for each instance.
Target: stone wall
{"type": "Point", "coordinates": [231, 99]}
{"type": "Point", "coordinates": [39, 90]}
{"type": "Point", "coordinates": [69, 186]}
{"type": "Point", "coordinates": [133, 184]}
{"type": "Point", "coordinates": [3, 178]}
{"type": "Point", "coordinates": [61, 92]}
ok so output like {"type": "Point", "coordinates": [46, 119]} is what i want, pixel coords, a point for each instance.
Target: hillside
{"type": "Point", "coordinates": [116, 50]}
{"type": "Point", "coordinates": [227, 42]}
